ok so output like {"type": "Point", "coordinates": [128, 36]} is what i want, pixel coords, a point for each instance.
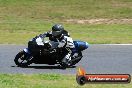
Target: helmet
{"type": "Point", "coordinates": [57, 30]}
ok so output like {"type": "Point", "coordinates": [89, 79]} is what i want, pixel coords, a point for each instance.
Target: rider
{"type": "Point", "coordinates": [58, 34]}
{"type": "Point", "coordinates": [53, 36]}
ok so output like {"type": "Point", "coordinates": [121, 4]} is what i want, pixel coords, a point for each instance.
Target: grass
{"type": "Point", "coordinates": [94, 34]}
{"type": "Point", "coordinates": [20, 20]}
{"type": "Point", "coordinates": [48, 81]}
{"type": "Point", "coordinates": [65, 9]}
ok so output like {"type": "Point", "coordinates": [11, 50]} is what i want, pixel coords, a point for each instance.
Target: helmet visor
{"type": "Point", "coordinates": [56, 33]}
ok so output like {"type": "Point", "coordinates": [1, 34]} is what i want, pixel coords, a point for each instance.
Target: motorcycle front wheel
{"type": "Point", "coordinates": [22, 60]}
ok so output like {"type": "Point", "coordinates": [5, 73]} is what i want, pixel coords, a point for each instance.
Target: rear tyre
{"type": "Point", "coordinates": [22, 60]}
{"type": "Point", "coordinates": [63, 65]}
{"type": "Point", "coordinates": [76, 58]}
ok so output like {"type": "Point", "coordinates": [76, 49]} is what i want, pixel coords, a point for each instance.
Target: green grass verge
{"type": "Point", "coordinates": [20, 20]}
{"type": "Point", "coordinates": [64, 9]}
{"type": "Point", "coordinates": [14, 33]}
{"type": "Point", "coordinates": [48, 81]}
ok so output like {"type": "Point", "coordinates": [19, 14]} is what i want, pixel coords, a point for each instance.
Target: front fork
{"type": "Point", "coordinates": [27, 53]}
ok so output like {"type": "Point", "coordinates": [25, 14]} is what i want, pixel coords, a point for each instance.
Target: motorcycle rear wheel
{"type": "Point", "coordinates": [22, 60]}
{"type": "Point", "coordinates": [75, 60]}
{"type": "Point", "coordinates": [64, 65]}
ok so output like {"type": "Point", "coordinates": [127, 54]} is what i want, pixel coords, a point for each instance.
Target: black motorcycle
{"type": "Point", "coordinates": [49, 54]}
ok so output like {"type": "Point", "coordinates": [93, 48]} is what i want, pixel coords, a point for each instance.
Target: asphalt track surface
{"type": "Point", "coordinates": [96, 59]}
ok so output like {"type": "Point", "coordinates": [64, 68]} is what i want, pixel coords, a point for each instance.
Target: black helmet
{"type": "Point", "coordinates": [57, 30]}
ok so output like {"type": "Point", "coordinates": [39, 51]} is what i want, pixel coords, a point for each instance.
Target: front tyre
{"type": "Point", "coordinates": [22, 60]}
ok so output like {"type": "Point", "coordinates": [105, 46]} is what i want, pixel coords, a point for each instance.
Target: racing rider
{"type": "Point", "coordinates": [58, 34]}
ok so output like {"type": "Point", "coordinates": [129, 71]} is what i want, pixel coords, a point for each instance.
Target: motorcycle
{"type": "Point", "coordinates": [49, 54]}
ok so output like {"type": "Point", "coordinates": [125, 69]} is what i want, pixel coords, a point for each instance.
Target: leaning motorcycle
{"type": "Point", "coordinates": [49, 54]}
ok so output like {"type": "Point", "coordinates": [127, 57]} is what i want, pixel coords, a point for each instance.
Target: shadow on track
{"type": "Point", "coordinates": [45, 67]}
